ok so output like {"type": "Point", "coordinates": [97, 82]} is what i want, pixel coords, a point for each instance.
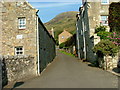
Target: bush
{"type": "Point", "coordinates": [115, 38]}
{"type": "Point", "coordinates": [62, 45]}
{"type": "Point", "coordinates": [100, 28]}
{"type": "Point", "coordinates": [71, 41]}
{"type": "Point", "coordinates": [57, 42]}
{"type": "Point", "coordinates": [104, 34]}
{"type": "Point", "coordinates": [105, 47]}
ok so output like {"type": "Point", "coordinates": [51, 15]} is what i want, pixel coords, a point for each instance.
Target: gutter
{"type": "Point", "coordinates": [78, 42]}
{"type": "Point", "coordinates": [38, 67]}
{"type": "Point", "coordinates": [83, 26]}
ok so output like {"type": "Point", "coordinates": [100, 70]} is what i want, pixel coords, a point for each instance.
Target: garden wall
{"type": "Point", "coordinates": [110, 62]}
{"type": "Point", "coordinates": [17, 67]}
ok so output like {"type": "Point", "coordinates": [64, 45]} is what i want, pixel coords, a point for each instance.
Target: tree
{"type": "Point", "coordinates": [105, 48]}
{"type": "Point", "coordinates": [114, 17]}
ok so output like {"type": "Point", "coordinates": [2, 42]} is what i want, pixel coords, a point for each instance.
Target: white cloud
{"type": "Point", "coordinates": [42, 5]}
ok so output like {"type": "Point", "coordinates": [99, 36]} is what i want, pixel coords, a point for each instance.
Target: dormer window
{"type": "Point", "coordinates": [22, 23]}
{"type": "Point", "coordinates": [104, 1]}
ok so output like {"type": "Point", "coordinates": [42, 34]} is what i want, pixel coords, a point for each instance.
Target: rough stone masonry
{"type": "Point", "coordinates": [17, 67]}
{"type": "Point", "coordinates": [33, 41]}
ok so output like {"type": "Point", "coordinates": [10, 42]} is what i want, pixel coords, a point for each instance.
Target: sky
{"type": "Point", "coordinates": [48, 9]}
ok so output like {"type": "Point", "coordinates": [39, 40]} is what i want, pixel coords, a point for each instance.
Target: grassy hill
{"type": "Point", "coordinates": [66, 20]}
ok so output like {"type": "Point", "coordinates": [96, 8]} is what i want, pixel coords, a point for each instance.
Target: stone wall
{"type": "Point", "coordinates": [89, 14]}
{"type": "Point", "coordinates": [34, 38]}
{"type": "Point", "coordinates": [80, 41]}
{"type": "Point", "coordinates": [46, 48]}
{"type": "Point", "coordinates": [12, 35]}
{"type": "Point", "coordinates": [85, 40]}
{"type": "Point", "coordinates": [17, 67]}
{"type": "Point", "coordinates": [10, 28]}
{"type": "Point", "coordinates": [110, 62]}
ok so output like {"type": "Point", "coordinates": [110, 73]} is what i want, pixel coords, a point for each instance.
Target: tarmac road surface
{"type": "Point", "coordinates": [68, 72]}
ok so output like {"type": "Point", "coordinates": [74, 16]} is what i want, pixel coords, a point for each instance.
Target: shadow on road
{"type": "Point", "coordinates": [92, 65]}
{"type": "Point", "coordinates": [116, 70]}
{"type": "Point", "coordinates": [17, 84]}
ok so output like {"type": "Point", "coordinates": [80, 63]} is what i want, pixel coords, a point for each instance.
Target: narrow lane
{"type": "Point", "coordinates": [67, 72]}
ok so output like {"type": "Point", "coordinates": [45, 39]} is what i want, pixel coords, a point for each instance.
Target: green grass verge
{"type": "Point", "coordinates": [66, 53]}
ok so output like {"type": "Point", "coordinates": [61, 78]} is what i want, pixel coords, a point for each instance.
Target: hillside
{"type": "Point", "coordinates": [66, 20]}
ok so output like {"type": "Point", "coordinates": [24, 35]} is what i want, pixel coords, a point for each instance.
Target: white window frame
{"type": "Point", "coordinates": [104, 20]}
{"type": "Point", "coordinates": [22, 23]}
{"type": "Point", "coordinates": [19, 50]}
{"type": "Point", "coordinates": [104, 2]}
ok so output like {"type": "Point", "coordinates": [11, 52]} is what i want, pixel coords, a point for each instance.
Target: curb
{"type": "Point", "coordinates": [113, 73]}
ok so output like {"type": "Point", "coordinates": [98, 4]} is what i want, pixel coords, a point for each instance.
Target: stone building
{"type": "Point", "coordinates": [23, 34]}
{"type": "Point", "coordinates": [91, 14]}
{"type": "Point", "coordinates": [64, 36]}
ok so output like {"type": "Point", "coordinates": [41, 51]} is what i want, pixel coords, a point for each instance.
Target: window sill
{"type": "Point", "coordinates": [105, 3]}
{"type": "Point", "coordinates": [105, 24]}
{"type": "Point", "coordinates": [21, 29]}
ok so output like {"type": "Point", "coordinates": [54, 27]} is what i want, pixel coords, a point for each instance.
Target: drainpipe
{"type": "Point", "coordinates": [78, 42]}
{"type": "Point", "coordinates": [38, 68]}
{"type": "Point", "coordinates": [84, 38]}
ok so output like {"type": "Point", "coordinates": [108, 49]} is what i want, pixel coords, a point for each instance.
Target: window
{"type": "Point", "coordinates": [22, 23]}
{"type": "Point", "coordinates": [19, 50]}
{"type": "Point", "coordinates": [62, 37]}
{"type": "Point", "coordinates": [104, 1]}
{"type": "Point", "coordinates": [104, 20]}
